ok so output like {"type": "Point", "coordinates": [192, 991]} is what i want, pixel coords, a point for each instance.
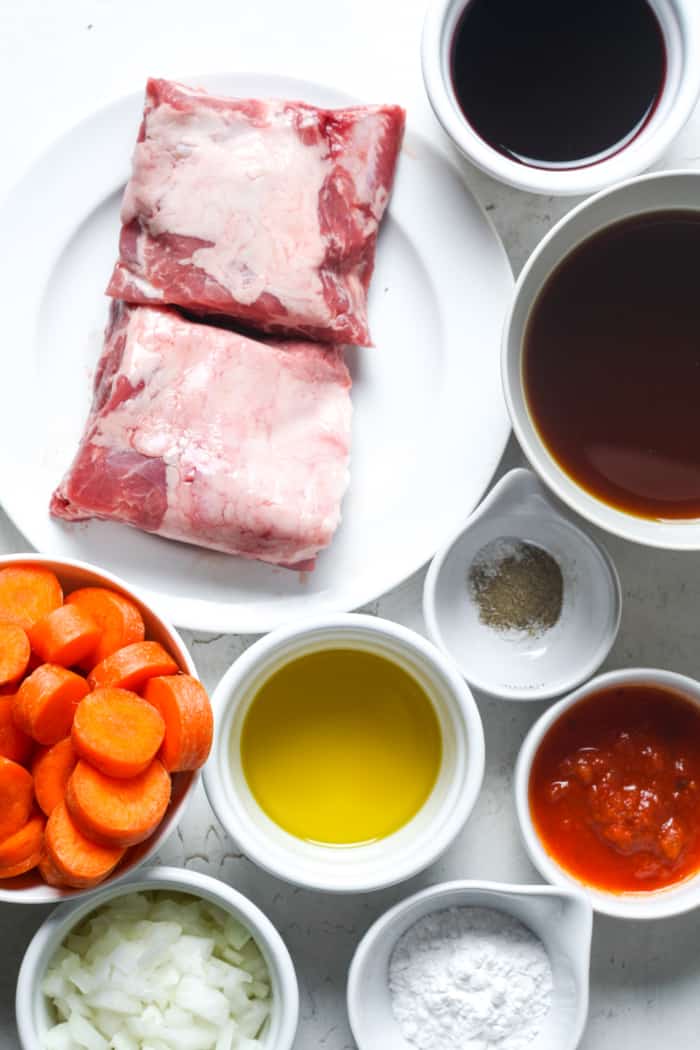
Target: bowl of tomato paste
{"type": "Point", "coordinates": [607, 788]}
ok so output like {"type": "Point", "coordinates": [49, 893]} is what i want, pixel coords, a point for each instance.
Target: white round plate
{"type": "Point", "coordinates": [429, 425]}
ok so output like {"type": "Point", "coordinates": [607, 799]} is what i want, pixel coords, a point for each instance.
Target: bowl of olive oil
{"type": "Point", "coordinates": [349, 753]}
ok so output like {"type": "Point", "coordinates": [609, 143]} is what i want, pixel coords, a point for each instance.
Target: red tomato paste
{"type": "Point", "coordinates": [615, 789]}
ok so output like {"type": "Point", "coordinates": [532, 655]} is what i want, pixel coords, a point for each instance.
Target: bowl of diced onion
{"type": "Point", "coordinates": [167, 958]}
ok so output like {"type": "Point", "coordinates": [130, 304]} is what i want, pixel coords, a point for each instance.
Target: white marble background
{"type": "Point", "coordinates": [60, 60]}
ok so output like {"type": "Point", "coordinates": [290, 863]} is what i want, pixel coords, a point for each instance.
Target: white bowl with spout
{"type": "Point", "coordinates": [561, 918]}
{"type": "Point", "coordinates": [522, 666]}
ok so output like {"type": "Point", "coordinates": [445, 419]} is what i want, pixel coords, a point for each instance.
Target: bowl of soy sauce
{"type": "Point", "coordinates": [562, 97]}
{"type": "Point", "coordinates": [601, 359]}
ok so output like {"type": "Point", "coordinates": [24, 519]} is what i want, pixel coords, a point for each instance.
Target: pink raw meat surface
{"type": "Point", "coordinates": [202, 435]}
{"type": "Point", "coordinates": [265, 211]}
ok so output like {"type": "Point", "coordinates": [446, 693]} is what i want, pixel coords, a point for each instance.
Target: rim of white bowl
{"type": "Point", "coordinates": [646, 905]}
{"type": "Point", "coordinates": [56, 926]}
{"type": "Point", "coordinates": [43, 893]}
{"type": "Point", "coordinates": [680, 25]}
{"type": "Point", "coordinates": [584, 671]}
{"type": "Point", "coordinates": [282, 862]}
{"type": "Point", "coordinates": [445, 889]}
{"type": "Point", "coordinates": [647, 532]}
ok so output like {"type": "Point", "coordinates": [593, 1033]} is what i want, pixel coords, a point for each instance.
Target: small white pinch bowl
{"type": "Point", "coordinates": [655, 904]}
{"type": "Point", "coordinates": [30, 888]}
{"type": "Point", "coordinates": [352, 869]}
{"type": "Point", "coordinates": [519, 666]}
{"type": "Point", "coordinates": [561, 918]}
{"type": "Point", "coordinates": [666, 190]}
{"type": "Point", "coordinates": [680, 25]}
{"type": "Point", "coordinates": [32, 1008]}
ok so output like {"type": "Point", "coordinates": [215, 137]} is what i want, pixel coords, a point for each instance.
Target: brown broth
{"type": "Point", "coordinates": [611, 365]}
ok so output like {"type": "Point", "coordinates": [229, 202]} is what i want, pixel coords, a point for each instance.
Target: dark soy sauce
{"type": "Point", "coordinates": [558, 83]}
{"type": "Point", "coordinates": [612, 365]}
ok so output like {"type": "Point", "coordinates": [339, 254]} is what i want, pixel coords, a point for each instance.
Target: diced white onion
{"type": "Point", "coordinates": [157, 971]}
{"type": "Point", "coordinates": [85, 1034]}
{"type": "Point", "coordinates": [59, 1038]}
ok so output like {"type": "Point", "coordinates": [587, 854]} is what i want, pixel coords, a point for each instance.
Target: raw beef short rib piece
{"type": "Point", "coordinates": [265, 211]}
{"type": "Point", "coordinates": [202, 435]}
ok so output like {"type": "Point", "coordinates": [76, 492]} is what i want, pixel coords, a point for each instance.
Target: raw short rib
{"type": "Point", "coordinates": [265, 211]}
{"type": "Point", "coordinates": [206, 436]}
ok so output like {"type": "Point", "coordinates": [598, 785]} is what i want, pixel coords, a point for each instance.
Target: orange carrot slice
{"type": "Point", "coordinates": [16, 796]}
{"type": "Point", "coordinates": [79, 862]}
{"type": "Point", "coordinates": [66, 636]}
{"type": "Point", "coordinates": [131, 666]}
{"type": "Point", "coordinates": [27, 594]}
{"type": "Point", "coordinates": [15, 651]}
{"type": "Point", "coordinates": [21, 852]}
{"type": "Point", "coordinates": [189, 724]}
{"type": "Point", "coordinates": [48, 870]}
{"type": "Point", "coordinates": [117, 732]}
{"type": "Point", "coordinates": [46, 701]}
{"type": "Point", "coordinates": [14, 744]}
{"type": "Point", "coordinates": [118, 812]}
{"type": "Point", "coordinates": [52, 771]}
{"type": "Point", "coordinates": [119, 620]}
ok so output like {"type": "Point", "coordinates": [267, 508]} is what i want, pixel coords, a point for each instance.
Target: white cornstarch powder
{"type": "Point", "coordinates": [470, 979]}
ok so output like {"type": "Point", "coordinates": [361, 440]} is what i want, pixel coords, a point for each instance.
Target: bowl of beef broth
{"type": "Point", "coordinates": [562, 98]}
{"type": "Point", "coordinates": [601, 360]}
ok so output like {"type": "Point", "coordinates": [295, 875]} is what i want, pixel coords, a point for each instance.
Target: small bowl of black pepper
{"type": "Point", "coordinates": [526, 603]}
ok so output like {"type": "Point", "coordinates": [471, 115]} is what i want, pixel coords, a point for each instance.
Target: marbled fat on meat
{"type": "Point", "coordinates": [266, 211]}
{"type": "Point", "coordinates": [203, 435]}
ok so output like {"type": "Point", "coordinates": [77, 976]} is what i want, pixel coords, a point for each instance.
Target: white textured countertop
{"type": "Point", "coordinates": [60, 60]}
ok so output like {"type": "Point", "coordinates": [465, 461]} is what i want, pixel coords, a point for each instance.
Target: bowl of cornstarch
{"type": "Point", "coordinates": [474, 966]}
{"type": "Point", "coordinates": [526, 604]}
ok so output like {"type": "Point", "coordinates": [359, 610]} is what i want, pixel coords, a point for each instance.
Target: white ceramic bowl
{"type": "Point", "coordinates": [396, 857]}
{"type": "Point", "coordinates": [656, 904]}
{"type": "Point", "coordinates": [648, 193]}
{"type": "Point", "coordinates": [680, 25]}
{"type": "Point", "coordinates": [30, 888]}
{"type": "Point", "coordinates": [32, 1009]}
{"type": "Point", "coordinates": [520, 667]}
{"type": "Point", "coordinates": [562, 919]}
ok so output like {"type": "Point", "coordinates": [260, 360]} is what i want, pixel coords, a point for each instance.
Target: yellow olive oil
{"type": "Point", "coordinates": [341, 747]}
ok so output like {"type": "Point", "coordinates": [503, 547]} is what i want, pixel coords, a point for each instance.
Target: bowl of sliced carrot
{"type": "Point", "coordinates": [103, 728]}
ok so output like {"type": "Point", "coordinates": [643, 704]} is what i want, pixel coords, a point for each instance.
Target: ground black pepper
{"type": "Point", "coordinates": [517, 586]}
